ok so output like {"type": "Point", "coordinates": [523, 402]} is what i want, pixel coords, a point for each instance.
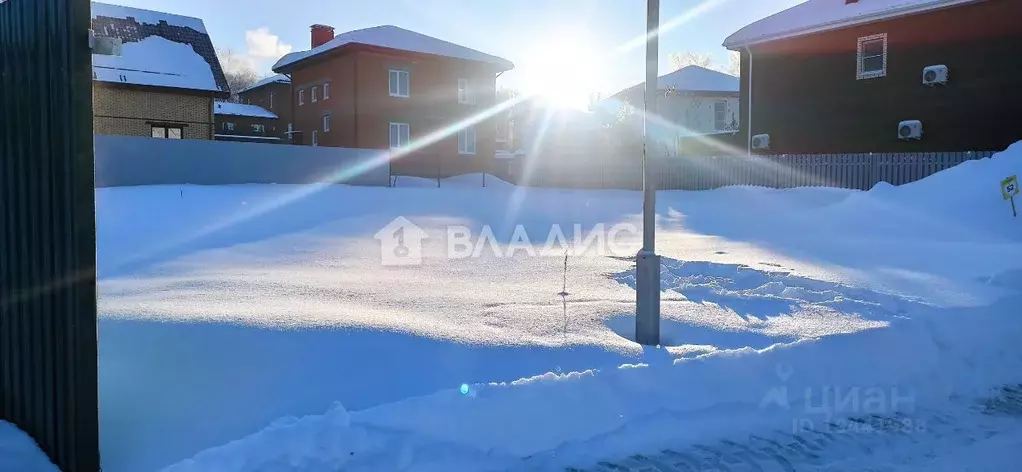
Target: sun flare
{"type": "Point", "coordinates": [564, 72]}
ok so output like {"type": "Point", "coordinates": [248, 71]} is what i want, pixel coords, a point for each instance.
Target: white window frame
{"type": "Point", "coordinates": [165, 131]}
{"type": "Point", "coordinates": [315, 97]}
{"type": "Point", "coordinates": [326, 122]}
{"type": "Point", "coordinates": [258, 128]}
{"type": "Point", "coordinates": [315, 138]}
{"type": "Point", "coordinates": [723, 122]}
{"type": "Point", "coordinates": [464, 92]}
{"type": "Point", "coordinates": [301, 97]}
{"type": "Point", "coordinates": [326, 91]}
{"type": "Point", "coordinates": [395, 88]}
{"type": "Point", "coordinates": [407, 135]}
{"type": "Point", "coordinates": [229, 126]}
{"type": "Point", "coordinates": [861, 74]}
{"type": "Point", "coordinates": [467, 141]}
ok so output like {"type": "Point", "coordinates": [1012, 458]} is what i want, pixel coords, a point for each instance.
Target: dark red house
{"type": "Point", "coordinates": [390, 88]}
{"type": "Point", "coordinates": [841, 76]}
{"type": "Point", "coordinates": [274, 95]}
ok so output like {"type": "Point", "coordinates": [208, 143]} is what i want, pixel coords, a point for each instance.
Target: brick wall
{"type": "Point", "coordinates": [131, 112]}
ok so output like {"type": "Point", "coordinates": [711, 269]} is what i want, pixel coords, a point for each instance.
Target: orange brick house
{"type": "Point", "coordinates": [390, 88]}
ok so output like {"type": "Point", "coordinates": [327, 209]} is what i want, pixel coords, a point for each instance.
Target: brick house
{"type": "Point", "coordinates": [243, 122]}
{"type": "Point", "coordinates": [390, 88]}
{"type": "Point", "coordinates": [164, 81]}
{"type": "Point", "coordinates": [274, 95]}
{"type": "Point", "coordinates": [857, 76]}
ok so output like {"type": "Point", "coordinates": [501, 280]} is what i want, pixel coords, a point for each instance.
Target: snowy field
{"type": "Point", "coordinates": [255, 328]}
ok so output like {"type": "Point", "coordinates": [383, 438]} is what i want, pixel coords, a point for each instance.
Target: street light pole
{"type": "Point", "coordinates": [647, 263]}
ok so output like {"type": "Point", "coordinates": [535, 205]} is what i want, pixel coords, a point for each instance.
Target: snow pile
{"type": "Point", "coordinates": [19, 453]}
{"type": "Point", "coordinates": [964, 201]}
{"type": "Point", "coordinates": [392, 37]}
{"type": "Point", "coordinates": [156, 61]}
{"type": "Point", "coordinates": [914, 363]}
{"type": "Point", "coordinates": [822, 15]}
{"type": "Point", "coordinates": [241, 109]}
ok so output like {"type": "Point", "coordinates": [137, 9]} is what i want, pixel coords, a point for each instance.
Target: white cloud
{"type": "Point", "coordinates": [265, 45]}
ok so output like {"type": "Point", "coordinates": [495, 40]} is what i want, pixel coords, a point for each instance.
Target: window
{"type": "Point", "coordinates": [315, 138]}
{"type": "Point", "coordinates": [399, 135]}
{"type": "Point", "coordinates": [271, 100]}
{"type": "Point", "coordinates": [399, 83]}
{"type": "Point", "coordinates": [228, 126]}
{"type": "Point", "coordinates": [167, 132]}
{"type": "Point", "coordinates": [259, 128]}
{"type": "Point", "coordinates": [464, 95]}
{"type": "Point", "coordinates": [872, 56]}
{"type": "Point", "coordinates": [720, 115]}
{"type": "Point", "coordinates": [326, 122]}
{"type": "Point", "coordinates": [301, 97]}
{"type": "Point", "coordinates": [314, 97]}
{"type": "Point", "coordinates": [326, 91]}
{"type": "Point", "coordinates": [467, 141]}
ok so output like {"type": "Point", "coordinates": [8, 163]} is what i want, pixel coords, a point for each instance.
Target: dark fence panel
{"type": "Point", "coordinates": [852, 171]}
{"type": "Point", "coordinates": [48, 368]}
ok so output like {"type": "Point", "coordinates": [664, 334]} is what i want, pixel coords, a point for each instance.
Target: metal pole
{"type": "Point", "coordinates": [647, 263]}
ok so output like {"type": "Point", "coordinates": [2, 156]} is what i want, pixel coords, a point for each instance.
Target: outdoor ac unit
{"type": "Point", "coordinates": [912, 129]}
{"type": "Point", "coordinates": [934, 75]}
{"type": "Point", "coordinates": [761, 141]}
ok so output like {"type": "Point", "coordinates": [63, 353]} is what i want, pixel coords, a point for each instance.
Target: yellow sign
{"type": "Point", "coordinates": [1009, 187]}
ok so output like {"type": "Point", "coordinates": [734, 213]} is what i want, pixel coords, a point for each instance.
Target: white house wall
{"type": "Point", "coordinates": [693, 114]}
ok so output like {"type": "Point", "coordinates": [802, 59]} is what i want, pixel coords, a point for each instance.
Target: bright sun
{"type": "Point", "coordinates": [564, 73]}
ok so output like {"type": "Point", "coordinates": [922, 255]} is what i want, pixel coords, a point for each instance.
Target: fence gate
{"type": "Point", "coordinates": [48, 365]}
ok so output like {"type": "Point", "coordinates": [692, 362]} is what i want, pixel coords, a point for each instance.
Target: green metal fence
{"type": "Point", "coordinates": [48, 365]}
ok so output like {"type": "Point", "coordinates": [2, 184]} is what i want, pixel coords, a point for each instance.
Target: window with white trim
{"type": "Point", "coordinates": [464, 93]}
{"type": "Point", "coordinates": [872, 56]}
{"type": "Point", "coordinates": [301, 97]}
{"type": "Point", "coordinates": [400, 134]}
{"type": "Point", "coordinates": [228, 126]}
{"type": "Point", "coordinates": [720, 115]}
{"type": "Point", "coordinates": [399, 83]}
{"type": "Point", "coordinates": [315, 138]}
{"type": "Point", "coordinates": [167, 132]}
{"type": "Point", "coordinates": [258, 128]}
{"type": "Point", "coordinates": [314, 97]}
{"type": "Point", "coordinates": [326, 91]}
{"type": "Point", "coordinates": [326, 122]}
{"type": "Point", "coordinates": [467, 140]}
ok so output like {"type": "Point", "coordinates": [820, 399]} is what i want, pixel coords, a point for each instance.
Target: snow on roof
{"type": "Point", "coordinates": [156, 61]}
{"type": "Point", "coordinates": [388, 36]}
{"type": "Point", "coordinates": [698, 79]}
{"type": "Point", "coordinates": [274, 79]}
{"type": "Point", "coordinates": [240, 109]}
{"type": "Point", "coordinates": [158, 49]}
{"type": "Point", "coordinates": [816, 16]}
{"type": "Point", "coordinates": [146, 16]}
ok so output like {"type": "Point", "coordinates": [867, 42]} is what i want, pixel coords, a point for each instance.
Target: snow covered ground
{"type": "Point", "coordinates": [233, 319]}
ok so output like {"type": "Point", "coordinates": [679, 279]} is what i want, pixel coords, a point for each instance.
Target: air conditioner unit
{"type": "Point", "coordinates": [911, 129]}
{"type": "Point", "coordinates": [761, 141]}
{"type": "Point", "coordinates": [934, 75]}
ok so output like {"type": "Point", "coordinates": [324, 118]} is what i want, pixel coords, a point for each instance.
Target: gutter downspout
{"type": "Point", "coordinates": [749, 111]}
{"type": "Point", "coordinates": [291, 125]}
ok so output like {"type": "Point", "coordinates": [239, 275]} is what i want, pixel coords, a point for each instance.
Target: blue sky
{"type": "Point", "coordinates": [527, 32]}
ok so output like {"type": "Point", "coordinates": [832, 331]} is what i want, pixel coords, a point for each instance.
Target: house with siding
{"type": "Point", "coordinates": [856, 76]}
{"type": "Point", "coordinates": [246, 123]}
{"type": "Point", "coordinates": [274, 95]}
{"type": "Point", "coordinates": [165, 79]}
{"type": "Point", "coordinates": [386, 87]}
{"type": "Point", "coordinates": [693, 100]}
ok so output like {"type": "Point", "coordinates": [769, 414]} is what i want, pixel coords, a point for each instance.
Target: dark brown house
{"type": "Point", "coordinates": [840, 76]}
{"type": "Point", "coordinates": [242, 122]}
{"type": "Point", "coordinates": [274, 95]}
{"type": "Point", "coordinates": [390, 88]}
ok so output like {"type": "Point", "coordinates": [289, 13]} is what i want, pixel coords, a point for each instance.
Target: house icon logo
{"type": "Point", "coordinates": [400, 243]}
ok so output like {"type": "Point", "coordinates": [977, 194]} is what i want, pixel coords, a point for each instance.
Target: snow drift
{"type": "Point", "coordinates": [19, 453]}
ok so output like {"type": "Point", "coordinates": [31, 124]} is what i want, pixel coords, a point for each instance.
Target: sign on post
{"type": "Point", "coordinates": [1009, 188]}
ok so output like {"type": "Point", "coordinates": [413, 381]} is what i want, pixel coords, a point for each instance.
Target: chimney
{"type": "Point", "coordinates": [321, 34]}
